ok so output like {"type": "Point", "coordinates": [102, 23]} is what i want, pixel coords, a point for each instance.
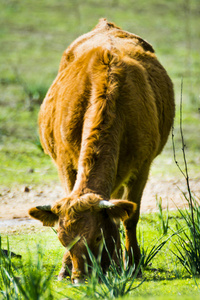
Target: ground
{"type": "Point", "coordinates": [15, 202]}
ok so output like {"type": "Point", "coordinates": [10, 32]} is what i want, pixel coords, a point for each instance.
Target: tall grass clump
{"type": "Point", "coordinates": [151, 251]}
{"type": "Point", "coordinates": [188, 242]}
{"type": "Point", "coordinates": [118, 281]}
{"type": "Point", "coordinates": [20, 281]}
{"type": "Point", "coordinates": [8, 287]}
{"type": "Point", "coordinates": [164, 220]}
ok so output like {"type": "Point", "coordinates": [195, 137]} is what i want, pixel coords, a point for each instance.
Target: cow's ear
{"type": "Point", "coordinates": [121, 209]}
{"type": "Point", "coordinates": [44, 214]}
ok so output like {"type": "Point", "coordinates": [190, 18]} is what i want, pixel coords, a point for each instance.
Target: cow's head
{"type": "Point", "coordinates": [88, 219]}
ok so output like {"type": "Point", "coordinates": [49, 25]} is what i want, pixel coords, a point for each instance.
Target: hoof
{"type": "Point", "coordinates": [78, 281]}
{"type": "Point", "coordinates": [63, 274]}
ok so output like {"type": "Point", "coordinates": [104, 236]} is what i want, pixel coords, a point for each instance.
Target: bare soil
{"type": "Point", "coordinates": [15, 202]}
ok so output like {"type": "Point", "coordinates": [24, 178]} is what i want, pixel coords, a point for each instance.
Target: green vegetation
{"type": "Point", "coordinates": [33, 283]}
{"type": "Point", "coordinates": [188, 243]}
{"type": "Point", "coordinates": [33, 36]}
{"type": "Point", "coordinates": [118, 280]}
{"type": "Point", "coordinates": [163, 275]}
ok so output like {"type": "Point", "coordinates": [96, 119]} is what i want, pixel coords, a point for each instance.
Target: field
{"type": "Point", "coordinates": [33, 35]}
{"type": "Point", "coordinates": [41, 249]}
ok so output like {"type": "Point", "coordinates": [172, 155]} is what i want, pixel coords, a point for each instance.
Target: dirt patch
{"type": "Point", "coordinates": [171, 191]}
{"type": "Point", "coordinates": [15, 202]}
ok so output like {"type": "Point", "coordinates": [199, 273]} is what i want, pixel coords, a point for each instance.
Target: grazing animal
{"type": "Point", "coordinates": [105, 118]}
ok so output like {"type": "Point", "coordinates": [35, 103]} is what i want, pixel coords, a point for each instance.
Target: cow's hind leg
{"type": "Point", "coordinates": [133, 193]}
{"type": "Point", "coordinates": [66, 266]}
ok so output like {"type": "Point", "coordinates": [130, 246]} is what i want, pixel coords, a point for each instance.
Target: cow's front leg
{"type": "Point", "coordinates": [133, 192]}
{"type": "Point", "coordinates": [66, 266]}
{"type": "Point", "coordinates": [131, 245]}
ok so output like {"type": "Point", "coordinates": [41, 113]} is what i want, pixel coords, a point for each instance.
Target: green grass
{"type": "Point", "coordinates": [25, 163]}
{"type": "Point", "coordinates": [164, 278]}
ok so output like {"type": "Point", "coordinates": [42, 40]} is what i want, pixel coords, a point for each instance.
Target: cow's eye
{"type": "Point", "coordinates": [98, 239]}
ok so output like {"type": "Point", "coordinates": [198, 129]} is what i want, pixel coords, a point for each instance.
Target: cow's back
{"type": "Point", "coordinates": [142, 98]}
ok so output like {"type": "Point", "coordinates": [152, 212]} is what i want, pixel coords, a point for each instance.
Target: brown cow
{"type": "Point", "coordinates": [105, 118]}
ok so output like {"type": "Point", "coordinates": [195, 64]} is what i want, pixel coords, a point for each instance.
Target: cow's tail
{"type": "Point", "coordinates": [107, 76]}
{"type": "Point", "coordinates": [102, 127]}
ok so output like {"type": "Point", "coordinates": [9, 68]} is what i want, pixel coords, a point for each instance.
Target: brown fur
{"type": "Point", "coordinates": [105, 118]}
